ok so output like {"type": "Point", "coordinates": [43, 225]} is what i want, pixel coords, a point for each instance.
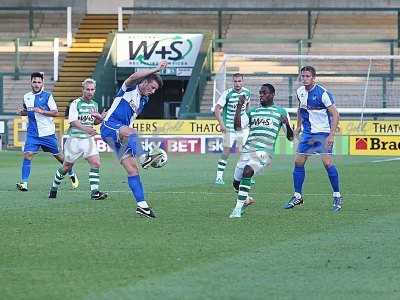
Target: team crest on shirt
{"type": "Point", "coordinates": [133, 105]}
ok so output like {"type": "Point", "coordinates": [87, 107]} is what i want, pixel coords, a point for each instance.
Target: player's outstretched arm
{"type": "Point", "coordinates": [142, 74]}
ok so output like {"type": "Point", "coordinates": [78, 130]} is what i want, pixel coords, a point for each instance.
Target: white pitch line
{"type": "Point", "coordinates": [222, 193]}
{"type": "Point", "coordinates": [384, 160]}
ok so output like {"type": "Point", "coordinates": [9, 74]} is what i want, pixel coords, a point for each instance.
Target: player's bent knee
{"type": "Point", "coordinates": [236, 185]}
{"type": "Point", "coordinates": [300, 161]}
{"type": "Point", "coordinates": [125, 132]}
{"type": "Point", "coordinates": [248, 171]}
{"type": "Point", "coordinates": [28, 155]}
{"type": "Point", "coordinates": [94, 161]}
{"type": "Point", "coordinates": [225, 155]}
{"type": "Point", "coordinates": [67, 167]}
{"type": "Point", "coordinates": [96, 164]}
{"type": "Point", "coordinates": [130, 165]}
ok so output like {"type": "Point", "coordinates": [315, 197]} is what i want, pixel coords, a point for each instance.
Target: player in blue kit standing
{"type": "Point", "coordinates": [115, 130]}
{"type": "Point", "coordinates": [40, 107]}
{"type": "Point", "coordinates": [318, 119]}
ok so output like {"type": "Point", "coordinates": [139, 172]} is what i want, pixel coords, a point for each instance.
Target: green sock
{"type": "Point", "coordinates": [244, 188]}
{"type": "Point", "coordinates": [221, 168]}
{"type": "Point", "coordinates": [94, 179]}
{"type": "Point", "coordinates": [58, 177]}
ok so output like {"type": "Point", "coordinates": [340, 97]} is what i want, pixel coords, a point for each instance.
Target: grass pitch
{"type": "Point", "coordinates": [75, 248]}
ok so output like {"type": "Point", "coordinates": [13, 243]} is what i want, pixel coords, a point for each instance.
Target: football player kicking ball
{"type": "Point", "coordinates": [83, 114]}
{"type": "Point", "coordinates": [115, 130]}
{"type": "Point", "coordinates": [265, 122]}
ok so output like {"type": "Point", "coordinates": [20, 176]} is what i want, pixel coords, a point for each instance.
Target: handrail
{"type": "Point", "coordinates": [16, 41]}
{"type": "Point", "coordinates": [201, 70]}
{"type": "Point", "coordinates": [45, 8]}
{"type": "Point", "coordinates": [27, 39]}
{"type": "Point", "coordinates": [308, 10]}
{"type": "Point", "coordinates": [270, 40]}
{"type": "Point", "coordinates": [103, 73]}
{"type": "Point", "coordinates": [256, 9]}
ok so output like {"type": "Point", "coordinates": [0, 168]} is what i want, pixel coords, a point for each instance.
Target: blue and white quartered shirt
{"type": "Point", "coordinates": [38, 124]}
{"type": "Point", "coordinates": [127, 105]}
{"type": "Point", "coordinates": [314, 113]}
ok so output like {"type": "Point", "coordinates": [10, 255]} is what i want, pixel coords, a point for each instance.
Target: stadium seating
{"type": "Point", "coordinates": [243, 33]}
{"type": "Point", "coordinates": [35, 57]}
{"type": "Point", "coordinates": [348, 91]}
{"type": "Point", "coordinates": [145, 22]}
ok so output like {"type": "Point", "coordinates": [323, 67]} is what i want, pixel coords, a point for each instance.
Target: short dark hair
{"type": "Point", "coordinates": [270, 87]}
{"type": "Point", "coordinates": [37, 74]}
{"type": "Point", "coordinates": [309, 69]}
{"type": "Point", "coordinates": [237, 75]}
{"type": "Point", "coordinates": [155, 77]}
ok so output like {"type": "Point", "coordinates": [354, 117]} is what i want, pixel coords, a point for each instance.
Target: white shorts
{"type": "Point", "coordinates": [76, 147]}
{"type": "Point", "coordinates": [239, 136]}
{"type": "Point", "coordinates": [256, 160]}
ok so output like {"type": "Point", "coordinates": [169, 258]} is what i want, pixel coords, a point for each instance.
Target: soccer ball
{"type": "Point", "coordinates": [162, 160]}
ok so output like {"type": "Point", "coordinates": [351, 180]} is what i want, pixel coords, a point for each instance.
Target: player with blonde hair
{"type": "Point", "coordinates": [83, 115]}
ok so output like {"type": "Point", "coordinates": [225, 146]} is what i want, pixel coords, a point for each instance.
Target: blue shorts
{"type": "Point", "coordinates": [132, 146]}
{"type": "Point", "coordinates": [47, 143]}
{"type": "Point", "coordinates": [313, 143]}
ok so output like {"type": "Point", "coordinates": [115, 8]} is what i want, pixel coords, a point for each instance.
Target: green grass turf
{"type": "Point", "coordinates": [75, 248]}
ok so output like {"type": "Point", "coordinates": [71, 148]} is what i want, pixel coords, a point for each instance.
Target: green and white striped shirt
{"type": "Point", "coordinates": [264, 124]}
{"type": "Point", "coordinates": [81, 110]}
{"type": "Point", "coordinates": [229, 100]}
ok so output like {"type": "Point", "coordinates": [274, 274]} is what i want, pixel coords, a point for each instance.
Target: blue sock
{"type": "Point", "coordinates": [137, 188]}
{"type": "Point", "coordinates": [71, 172]}
{"type": "Point", "coordinates": [26, 170]}
{"type": "Point", "coordinates": [333, 177]}
{"type": "Point", "coordinates": [298, 178]}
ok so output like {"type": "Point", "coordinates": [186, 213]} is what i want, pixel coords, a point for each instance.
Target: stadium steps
{"type": "Point", "coordinates": [81, 59]}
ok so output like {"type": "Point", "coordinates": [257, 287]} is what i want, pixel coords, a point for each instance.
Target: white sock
{"type": "Point", "coordinates": [239, 204]}
{"type": "Point", "coordinates": [297, 195]}
{"type": "Point", "coordinates": [143, 204]}
{"type": "Point", "coordinates": [220, 174]}
{"type": "Point", "coordinates": [336, 194]}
